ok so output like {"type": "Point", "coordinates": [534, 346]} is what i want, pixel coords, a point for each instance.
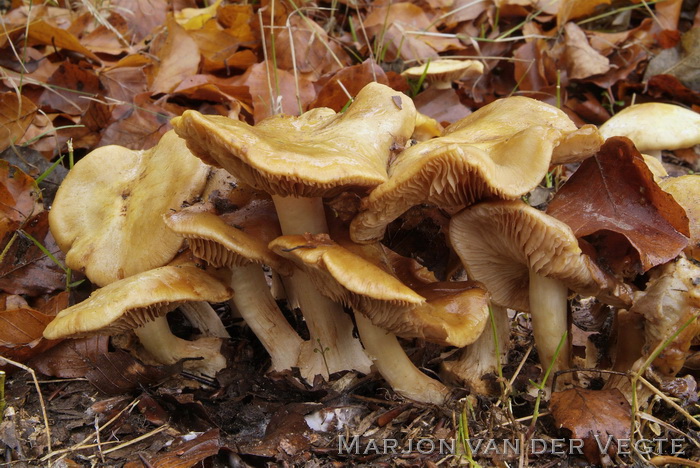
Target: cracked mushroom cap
{"type": "Point", "coordinates": [129, 303]}
{"type": "Point", "coordinates": [500, 241]}
{"type": "Point", "coordinates": [316, 154]}
{"type": "Point", "coordinates": [502, 150]}
{"type": "Point", "coordinates": [452, 314]}
{"type": "Point", "coordinates": [441, 73]}
{"type": "Point", "coordinates": [107, 214]}
{"type": "Point", "coordinates": [686, 191]}
{"type": "Point", "coordinates": [655, 126]}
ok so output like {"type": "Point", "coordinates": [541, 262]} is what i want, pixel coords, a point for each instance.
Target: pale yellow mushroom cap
{"type": "Point", "coordinates": [107, 214]}
{"type": "Point", "coordinates": [442, 72]}
{"type": "Point", "coordinates": [686, 191]}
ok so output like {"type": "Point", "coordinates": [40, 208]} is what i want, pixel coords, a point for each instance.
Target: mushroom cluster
{"type": "Point", "coordinates": [248, 202]}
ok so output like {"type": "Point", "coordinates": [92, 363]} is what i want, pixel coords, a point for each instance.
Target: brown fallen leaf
{"type": "Point", "coordinates": [582, 60]}
{"type": "Point", "coordinates": [71, 358]}
{"type": "Point", "coordinates": [613, 199]}
{"type": "Point", "coordinates": [15, 117]}
{"type": "Point", "coordinates": [594, 416]}
{"type": "Point", "coordinates": [25, 269]}
{"type": "Point", "coordinates": [442, 105]}
{"type": "Point", "coordinates": [115, 373]}
{"type": "Point", "coordinates": [19, 198]}
{"type": "Point", "coordinates": [185, 453]}
{"type": "Point", "coordinates": [142, 16]}
{"type": "Point", "coordinates": [69, 85]}
{"type": "Point", "coordinates": [682, 61]}
{"type": "Point", "coordinates": [336, 87]}
{"type": "Point", "coordinates": [21, 334]}
{"type": "Point", "coordinates": [178, 58]}
{"type": "Point", "coordinates": [40, 32]}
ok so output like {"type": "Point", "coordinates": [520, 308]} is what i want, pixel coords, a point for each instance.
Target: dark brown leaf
{"type": "Point", "coordinates": [71, 358]}
{"type": "Point", "coordinates": [614, 192]}
{"type": "Point", "coordinates": [185, 453]}
{"type": "Point", "coordinates": [69, 85]}
{"type": "Point", "coordinates": [19, 199]}
{"type": "Point", "coordinates": [25, 269]}
{"type": "Point", "coordinates": [15, 117]}
{"type": "Point", "coordinates": [352, 79]}
{"type": "Point", "coordinates": [117, 372]}
{"type": "Point", "coordinates": [592, 416]}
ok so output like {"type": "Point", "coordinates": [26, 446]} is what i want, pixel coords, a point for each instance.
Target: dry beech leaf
{"type": "Point", "coordinates": [71, 358]}
{"type": "Point", "coordinates": [592, 416]}
{"type": "Point", "coordinates": [185, 453]}
{"type": "Point", "coordinates": [178, 58]}
{"type": "Point", "coordinates": [142, 16]}
{"type": "Point", "coordinates": [19, 198]}
{"type": "Point", "coordinates": [614, 192]}
{"type": "Point", "coordinates": [15, 117]}
{"type": "Point", "coordinates": [441, 104]}
{"type": "Point", "coordinates": [582, 60]}
{"type": "Point", "coordinates": [21, 334]}
{"type": "Point", "coordinates": [43, 33]}
{"type": "Point", "coordinates": [142, 125]}
{"type": "Point", "coordinates": [353, 79]}
{"type": "Point", "coordinates": [25, 269]}
{"type": "Point", "coordinates": [115, 373]}
{"type": "Point", "coordinates": [69, 85]}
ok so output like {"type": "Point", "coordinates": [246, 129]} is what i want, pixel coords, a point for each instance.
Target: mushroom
{"type": "Point", "coordinates": [504, 150]}
{"type": "Point", "coordinates": [686, 191]}
{"type": "Point", "coordinates": [442, 72]}
{"type": "Point", "coordinates": [298, 160]}
{"type": "Point", "coordinates": [140, 303]}
{"type": "Point", "coordinates": [241, 246]}
{"type": "Point", "coordinates": [444, 313]}
{"type": "Point", "coordinates": [528, 262]}
{"type": "Point", "coordinates": [655, 126]}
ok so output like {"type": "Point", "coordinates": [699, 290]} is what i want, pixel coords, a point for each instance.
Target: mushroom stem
{"type": "Point", "coordinates": [260, 311]}
{"type": "Point", "coordinates": [548, 310]}
{"type": "Point", "coordinates": [394, 365]}
{"type": "Point", "coordinates": [204, 318]}
{"type": "Point", "coordinates": [480, 358]}
{"type": "Point", "coordinates": [332, 347]}
{"type": "Point", "coordinates": [166, 348]}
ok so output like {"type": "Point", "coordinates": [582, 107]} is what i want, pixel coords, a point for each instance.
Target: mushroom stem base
{"type": "Point", "coordinates": [256, 305]}
{"type": "Point", "coordinates": [205, 319]}
{"type": "Point", "coordinates": [394, 365]}
{"type": "Point", "coordinates": [166, 348]}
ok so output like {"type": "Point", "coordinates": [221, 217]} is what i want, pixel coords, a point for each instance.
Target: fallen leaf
{"type": "Point", "coordinates": [178, 58]}
{"type": "Point", "coordinates": [613, 197]}
{"type": "Point", "coordinates": [237, 20]}
{"type": "Point", "coordinates": [219, 49]}
{"type": "Point", "coordinates": [337, 89]}
{"type": "Point", "coordinates": [682, 61]}
{"type": "Point", "coordinates": [142, 16]}
{"type": "Point", "coordinates": [21, 334]}
{"type": "Point", "coordinates": [108, 40]}
{"type": "Point", "coordinates": [441, 104]}
{"type": "Point", "coordinates": [19, 198]}
{"type": "Point", "coordinates": [594, 416]}
{"type": "Point", "coordinates": [195, 18]}
{"type": "Point", "coordinates": [185, 453]}
{"type": "Point", "coordinates": [69, 86]}
{"type": "Point", "coordinates": [115, 373]}
{"type": "Point", "coordinates": [574, 9]}
{"type": "Point", "coordinates": [25, 269]}
{"type": "Point", "coordinates": [43, 33]}
{"type": "Point", "coordinates": [71, 359]}
{"type": "Point", "coordinates": [582, 60]}
{"type": "Point", "coordinates": [15, 117]}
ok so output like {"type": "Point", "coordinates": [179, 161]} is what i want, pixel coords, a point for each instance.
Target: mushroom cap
{"type": "Point", "coordinates": [224, 245]}
{"type": "Point", "coordinates": [316, 154]}
{"type": "Point", "coordinates": [446, 70]}
{"type": "Point", "coordinates": [686, 191]}
{"type": "Point", "coordinates": [500, 241]}
{"type": "Point", "coordinates": [107, 214]}
{"type": "Point", "coordinates": [129, 303]}
{"type": "Point", "coordinates": [452, 314]}
{"type": "Point", "coordinates": [504, 150]}
{"type": "Point", "coordinates": [655, 126]}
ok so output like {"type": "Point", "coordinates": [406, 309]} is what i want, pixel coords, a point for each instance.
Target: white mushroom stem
{"type": "Point", "coordinates": [482, 357]}
{"type": "Point", "coordinates": [166, 348]}
{"type": "Point", "coordinates": [548, 310]}
{"type": "Point", "coordinates": [204, 318]}
{"type": "Point", "coordinates": [258, 308]}
{"type": "Point", "coordinates": [332, 347]}
{"type": "Point", "coordinates": [394, 365]}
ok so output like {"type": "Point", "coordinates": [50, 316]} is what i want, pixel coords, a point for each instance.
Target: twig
{"type": "Point", "coordinates": [133, 441]}
{"type": "Point", "coordinates": [661, 460]}
{"type": "Point", "coordinates": [675, 405]}
{"type": "Point", "coordinates": [41, 399]}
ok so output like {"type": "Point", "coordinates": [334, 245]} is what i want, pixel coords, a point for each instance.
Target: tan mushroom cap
{"type": "Point", "coordinates": [500, 241]}
{"type": "Point", "coordinates": [318, 153]}
{"type": "Point", "coordinates": [129, 303]}
{"type": "Point", "coordinates": [443, 71]}
{"type": "Point", "coordinates": [655, 126]}
{"type": "Point", "coordinates": [502, 150]}
{"type": "Point", "coordinates": [452, 314]}
{"type": "Point", "coordinates": [686, 191]}
{"type": "Point", "coordinates": [107, 214]}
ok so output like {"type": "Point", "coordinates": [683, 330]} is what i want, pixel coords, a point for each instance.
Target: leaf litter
{"type": "Point", "coordinates": [117, 73]}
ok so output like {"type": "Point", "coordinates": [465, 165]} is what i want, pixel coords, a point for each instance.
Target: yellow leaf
{"type": "Point", "coordinates": [43, 33]}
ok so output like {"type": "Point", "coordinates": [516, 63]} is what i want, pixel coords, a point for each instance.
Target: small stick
{"type": "Point", "coordinates": [133, 441]}
{"type": "Point", "coordinates": [41, 399]}
{"type": "Point", "coordinates": [669, 401]}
